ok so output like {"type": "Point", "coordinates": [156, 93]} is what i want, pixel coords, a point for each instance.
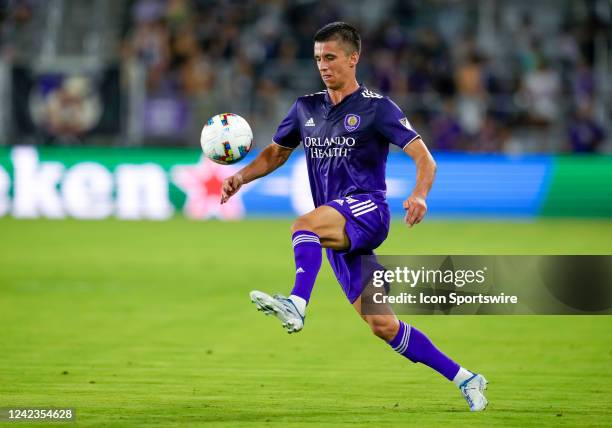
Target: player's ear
{"type": "Point", "coordinates": [354, 59]}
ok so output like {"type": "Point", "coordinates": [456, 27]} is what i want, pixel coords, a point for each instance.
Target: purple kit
{"type": "Point", "coordinates": [346, 148]}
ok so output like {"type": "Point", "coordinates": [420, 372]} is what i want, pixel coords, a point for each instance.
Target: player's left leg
{"type": "Point", "coordinates": [418, 348]}
{"type": "Point", "coordinates": [322, 227]}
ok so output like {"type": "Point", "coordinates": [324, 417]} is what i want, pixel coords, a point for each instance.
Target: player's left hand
{"type": "Point", "coordinates": [416, 208]}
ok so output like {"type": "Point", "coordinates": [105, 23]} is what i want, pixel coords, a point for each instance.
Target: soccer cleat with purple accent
{"type": "Point", "coordinates": [280, 306]}
{"type": "Point", "coordinates": [472, 390]}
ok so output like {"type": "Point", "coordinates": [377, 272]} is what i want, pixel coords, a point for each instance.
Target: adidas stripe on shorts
{"type": "Point", "coordinates": [367, 226]}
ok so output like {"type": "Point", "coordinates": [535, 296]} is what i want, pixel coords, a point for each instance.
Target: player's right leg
{"type": "Point", "coordinates": [414, 345]}
{"type": "Point", "coordinates": [322, 227]}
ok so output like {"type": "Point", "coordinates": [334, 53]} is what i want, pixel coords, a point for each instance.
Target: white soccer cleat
{"type": "Point", "coordinates": [472, 390]}
{"type": "Point", "coordinates": [282, 307]}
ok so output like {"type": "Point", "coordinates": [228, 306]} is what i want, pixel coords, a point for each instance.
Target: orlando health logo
{"type": "Point", "coordinates": [329, 146]}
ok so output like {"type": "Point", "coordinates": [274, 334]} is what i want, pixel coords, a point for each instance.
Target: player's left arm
{"type": "Point", "coordinates": [415, 204]}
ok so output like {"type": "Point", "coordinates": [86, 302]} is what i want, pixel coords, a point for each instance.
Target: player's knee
{"type": "Point", "coordinates": [384, 327]}
{"type": "Point", "coordinates": [302, 223]}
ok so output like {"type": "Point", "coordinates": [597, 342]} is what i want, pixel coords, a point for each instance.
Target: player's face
{"type": "Point", "coordinates": [336, 66]}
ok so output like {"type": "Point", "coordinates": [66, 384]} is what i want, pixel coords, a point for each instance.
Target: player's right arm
{"type": "Point", "coordinates": [267, 161]}
{"type": "Point", "coordinates": [286, 139]}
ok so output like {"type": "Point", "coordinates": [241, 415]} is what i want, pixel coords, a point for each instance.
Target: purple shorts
{"type": "Point", "coordinates": [367, 226]}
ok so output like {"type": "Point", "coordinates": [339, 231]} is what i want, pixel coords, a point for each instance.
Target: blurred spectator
{"type": "Point", "coordinates": [420, 75]}
{"type": "Point", "coordinates": [489, 136]}
{"type": "Point", "coordinates": [509, 143]}
{"type": "Point", "coordinates": [283, 73]}
{"type": "Point", "coordinates": [197, 75]}
{"type": "Point", "coordinates": [149, 42]}
{"type": "Point", "coordinates": [470, 77]}
{"type": "Point", "coordinates": [14, 16]}
{"type": "Point", "coordinates": [567, 50]}
{"type": "Point", "coordinates": [584, 84]}
{"type": "Point", "coordinates": [178, 13]}
{"type": "Point", "coordinates": [20, 11]}
{"type": "Point", "coordinates": [526, 43]}
{"type": "Point", "coordinates": [471, 90]}
{"type": "Point", "coordinates": [585, 134]}
{"type": "Point", "coordinates": [445, 129]}
{"type": "Point", "coordinates": [541, 89]}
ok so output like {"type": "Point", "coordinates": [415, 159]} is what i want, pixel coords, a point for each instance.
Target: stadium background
{"type": "Point", "coordinates": [146, 321]}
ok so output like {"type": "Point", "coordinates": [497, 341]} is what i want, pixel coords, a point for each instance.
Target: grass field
{"type": "Point", "coordinates": [144, 324]}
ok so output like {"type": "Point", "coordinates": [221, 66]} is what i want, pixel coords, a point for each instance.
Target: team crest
{"type": "Point", "coordinates": [351, 122]}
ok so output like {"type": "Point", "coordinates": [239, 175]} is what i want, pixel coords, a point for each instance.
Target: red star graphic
{"type": "Point", "coordinates": [213, 186]}
{"type": "Point", "coordinates": [202, 182]}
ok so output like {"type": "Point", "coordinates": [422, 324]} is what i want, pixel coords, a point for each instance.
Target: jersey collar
{"type": "Point", "coordinates": [329, 102]}
{"type": "Point", "coordinates": [329, 105]}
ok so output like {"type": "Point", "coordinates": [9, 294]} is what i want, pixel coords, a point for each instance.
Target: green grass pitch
{"type": "Point", "coordinates": [149, 324]}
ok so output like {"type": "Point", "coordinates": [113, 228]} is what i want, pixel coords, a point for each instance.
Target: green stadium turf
{"type": "Point", "coordinates": [149, 324]}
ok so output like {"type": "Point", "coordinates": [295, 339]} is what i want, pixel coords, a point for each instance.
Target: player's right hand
{"type": "Point", "coordinates": [231, 185]}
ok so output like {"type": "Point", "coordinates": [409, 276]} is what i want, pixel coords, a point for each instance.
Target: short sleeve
{"type": "Point", "coordinates": [288, 132]}
{"type": "Point", "coordinates": [393, 124]}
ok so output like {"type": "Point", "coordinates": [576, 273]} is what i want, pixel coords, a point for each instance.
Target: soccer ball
{"type": "Point", "coordinates": [226, 138]}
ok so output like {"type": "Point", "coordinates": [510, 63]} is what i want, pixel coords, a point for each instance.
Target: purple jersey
{"type": "Point", "coordinates": [346, 144]}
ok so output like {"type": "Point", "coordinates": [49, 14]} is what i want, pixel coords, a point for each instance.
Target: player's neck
{"type": "Point", "coordinates": [337, 95]}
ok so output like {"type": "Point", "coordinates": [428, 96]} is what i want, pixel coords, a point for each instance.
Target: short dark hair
{"type": "Point", "coordinates": [340, 31]}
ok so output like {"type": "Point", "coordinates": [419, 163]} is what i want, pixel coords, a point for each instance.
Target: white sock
{"type": "Point", "coordinates": [299, 303]}
{"type": "Point", "coordinates": [462, 376]}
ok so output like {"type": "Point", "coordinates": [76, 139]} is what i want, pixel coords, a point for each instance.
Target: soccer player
{"type": "Point", "coordinates": [346, 130]}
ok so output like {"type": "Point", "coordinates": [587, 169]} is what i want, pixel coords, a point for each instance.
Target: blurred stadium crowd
{"type": "Point", "coordinates": [489, 76]}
